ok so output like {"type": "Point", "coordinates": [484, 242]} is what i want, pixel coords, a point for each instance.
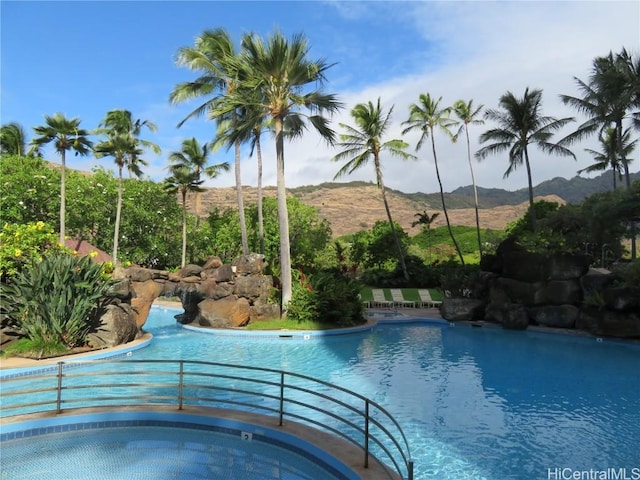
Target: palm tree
{"type": "Point", "coordinates": [13, 140]}
{"type": "Point", "coordinates": [125, 146]}
{"type": "Point", "coordinates": [182, 180]}
{"type": "Point", "coordinates": [425, 116]}
{"type": "Point", "coordinates": [363, 143]}
{"type": "Point", "coordinates": [609, 98]}
{"type": "Point", "coordinates": [195, 157]}
{"type": "Point", "coordinates": [214, 56]}
{"type": "Point", "coordinates": [521, 124]}
{"type": "Point", "coordinates": [426, 221]}
{"type": "Point", "coordinates": [277, 75]}
{"type": "Point", "coordinates": [608, 156]}
{"type": "Point", "coordinates": [65, 134]}
{"type": "Point", "coordinates": [469, 116]}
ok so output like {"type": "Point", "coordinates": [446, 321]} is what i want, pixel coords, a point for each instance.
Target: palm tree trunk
{"type": "Point", "coordinates": [116, 232]}
{"type": "Point", "coordinates": [260, 219]}
{"type": "Point", "coordinates": [63, 196]}
{"type": "Point", "coordinates": [475, 191]}
{"type": "Point", "coordinates": [627, 180]}
{"type": "Point", "coordinates": [532, 209]}
{"type": "Point", "coordinates": [184, 229]}
{"type": "Point", "coordinates": [444, 206]}
{"type": "Point", "coordinates": [393, 230]}
{"type": "Point", "coordinates": [283, 220]}
{"type": "Point", "coordinates": [240, 197]}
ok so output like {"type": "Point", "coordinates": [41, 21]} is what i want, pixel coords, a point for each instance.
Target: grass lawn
{"type": "Point", "coordinates": [284, 324]}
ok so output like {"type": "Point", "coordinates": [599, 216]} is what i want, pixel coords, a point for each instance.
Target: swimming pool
{"type": "Point", "coordinates": [476, 403]}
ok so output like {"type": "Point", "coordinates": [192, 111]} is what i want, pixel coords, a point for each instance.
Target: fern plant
{"type": "Point", "coordinates": [54, 303]}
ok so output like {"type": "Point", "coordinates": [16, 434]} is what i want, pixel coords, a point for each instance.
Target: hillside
{"type": "Point", "coordinates": [354, 206]}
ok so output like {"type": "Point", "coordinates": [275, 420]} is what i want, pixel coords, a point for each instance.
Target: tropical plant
{"type": "Point", "coordinates": [275, 84]}
{"type": "Point", "coordinates": [468, 115]}
{"type": "Point", "coordinates": [426, 220]}
{"type": "Point", "coordinates": [521, 124]}
{"type": "Point", "coordinates": [13, 140]}
{"type": "Point", "coordinates": [125, 146]}
{"type": "Point", "coordinates": [65, 134]}
{"type": "Point", "coordinates": [55, 302]}
{"type": "Point", "coordinates": [214, 56]}
{"type": "Point", "coordinates": [607, 157]}
{"type": "Point", "coordinates": [22, 244]}
{"type": "Point", "coordinates": [426, 116]}
{"type": "Point", "coordinates": [364, 142]}
{"type": "Point", "coordinates": [183, 180]}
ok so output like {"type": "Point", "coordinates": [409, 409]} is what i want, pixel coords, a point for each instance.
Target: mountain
{"type": "Point", "coordinates": [354, 206]}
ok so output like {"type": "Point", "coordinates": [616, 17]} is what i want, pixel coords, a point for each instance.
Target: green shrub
{"type": "Point", "coordinates": [21, 244]}
{"type": "Point", "coordinates": [325, 296]}
{"type": "Point", "coordinates": [54, 303]}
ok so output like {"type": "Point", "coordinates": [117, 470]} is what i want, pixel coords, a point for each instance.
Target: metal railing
{"type": "Point", "coordinates": [300, 398]}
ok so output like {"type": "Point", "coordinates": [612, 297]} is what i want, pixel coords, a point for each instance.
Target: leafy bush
{"type": "Point", "coordinates": [22, 244]}
{"type": "Point", "coordinates": [55, 302]}
{"type": "Point", "coordinates": [325, 296]}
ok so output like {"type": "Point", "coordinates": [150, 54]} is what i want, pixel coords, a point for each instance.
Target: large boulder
{"type": "Point", "coordinates": [560, 292]}
{"type": "Point", "coordinates": [264, 311]}
{"type": "Point", "coordinates": [516, 291]}
{"type": "Point", "coordinates": [623, 298]}
{"type": "Point", "coordinates": [567, 267]}
{"type": "Point", "coordinates": [512, 316]}
{"type": "Point", "coordinates": [225, 313]}
{"type": "Point", "coordinates": [116, 326]}
{"type": "Point", "coordinates": [256, 288]}
{"type": "Point", "coordinates": [609, 323]}
{"type": "Point", "coordinates": [251, 264]}
{"type": "Point", "coordinates": [462, 309]}
{"type": "Point", "coordinates": [145, 294]}
{"type": "Point", "coordinates": [524, 266]}
{"type": "Point", "coordinates": [558, 316]}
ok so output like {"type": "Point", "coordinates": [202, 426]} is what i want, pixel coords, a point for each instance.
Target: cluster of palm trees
{"type": "Point", "coordinates": [272, 86]}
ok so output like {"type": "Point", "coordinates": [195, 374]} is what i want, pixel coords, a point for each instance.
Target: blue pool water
{"type": "Point", "coordinates": [475, 403]}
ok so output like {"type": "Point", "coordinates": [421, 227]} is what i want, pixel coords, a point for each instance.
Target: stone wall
{"type": "Point", "coordinates": [518, 289]}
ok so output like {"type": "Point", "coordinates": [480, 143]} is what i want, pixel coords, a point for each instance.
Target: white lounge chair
{"type": "Point", "coordinates": [398, 299]}
{"type": "Point", "coordinates": [426, 300]}
{"type": "Point", "coordinates": [379, 300]}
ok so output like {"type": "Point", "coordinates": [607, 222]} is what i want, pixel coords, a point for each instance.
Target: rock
{"type": "Point", "coordinates": [491, 263]}
{"type": "Point", "coordinates": [145, 294]}
{"type": "Point", "coordinates": [251, 264]}
{"type": "Point", "coordinates": [560, 292]}
{"type": "Point", "coordinates": [220, 274]}
{"type": "Point", "coordinates": [116, 326]}
{"type": "Point", "coordinates": [567, 267]}
{"type": "Point", "coordinates": [255, 288]}
{"type": "Point", "coordinates": [122, 290]}
{"type": "Point", "coordinates": [622, 298]}
{"type": "Point", "coordinates": [462, 309]}
{"type": "Point", "coordinates": [225, 313]}
{"type": "Point", "coordinates": [190, 271]}
{"type": "Point", "coordinates": [212, 263]}
{"type": "Point", "coordinates": [609, 323]}
{"type": "Point", "coordinates": [596, 280]}
{"type": "Point", "coordinates": [264, 311]}
{"type": "Point", "coordinates": [524, 266]}
{"type": "Point", "coordinates": [512, 316]}
{"type": "Point", "coordinates": [560, 316]}
{"type": "Point", "coordinates": [517, 291]}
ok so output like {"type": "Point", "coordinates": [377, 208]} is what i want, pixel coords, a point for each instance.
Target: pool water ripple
{"type": "Point", "coordinates": [475, 403]}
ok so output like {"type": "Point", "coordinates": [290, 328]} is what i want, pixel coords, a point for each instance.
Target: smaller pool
{"type": "Point", "coordinates": [116, 446]}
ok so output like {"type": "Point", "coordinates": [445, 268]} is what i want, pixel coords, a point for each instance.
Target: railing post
{"type": "Point", "coordinates": [410, 470]}
{"type": "Point", "coordinates": [180, 385]}
{"type": "Point", "coordinates": [366, 433]}
{"type": "Point", "coordinates": [281, 397]}
{"type": "Point", "coordinates": [59, 392]}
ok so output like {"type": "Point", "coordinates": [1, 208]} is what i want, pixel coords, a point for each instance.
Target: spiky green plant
{"type": "Point", "coordinates": [55, 302]}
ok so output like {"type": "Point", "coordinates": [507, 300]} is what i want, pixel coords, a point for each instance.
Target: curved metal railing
{"type": "Point", "coordinates": [123, 382]}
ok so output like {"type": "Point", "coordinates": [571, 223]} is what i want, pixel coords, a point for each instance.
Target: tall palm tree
{"type": "Point", "coordinates": [608, 156]}
{"type": "Point", "coordinates": [182, 180]}
{"type": "Point", "coordinates": [521, 124]}
{"type": "Point", "coordinates": [426, 221]}
{"type": "Point", "coordinates": [13, 140]}
{"type": "Point", "coordinates": [611, 96]}
{"type": "Point", "coordinates": [66, 134]}
{"type": "Point", "coordinates": [124, 145]}
{"type": "Point", "coordinates": [214, 56]}
{"type": "Point", "coordinates": [426, 116]}
{"type": "Point", "coordinates": [468, 115]}
{"type": "Point", "coordinates": [365, 142]}
{"type": "Point", "coordinates": [278, 74]}
{"type": "Point", "coordinates": [195, 157]}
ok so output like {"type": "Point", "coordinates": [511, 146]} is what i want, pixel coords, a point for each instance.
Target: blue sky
{"type": "Point", "coordinates": [83, 58]}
